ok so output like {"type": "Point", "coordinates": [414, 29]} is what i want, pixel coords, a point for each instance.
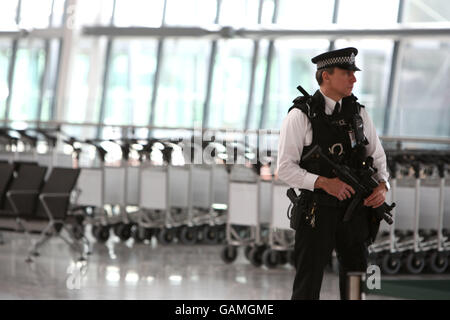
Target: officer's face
{"type": "Point", "coordinates": [341, 81]}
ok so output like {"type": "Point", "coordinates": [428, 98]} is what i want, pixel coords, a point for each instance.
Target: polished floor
{"type": "Point", "coordinates": [141, 271]}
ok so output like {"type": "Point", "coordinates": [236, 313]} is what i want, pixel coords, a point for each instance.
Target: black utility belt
{"type": "Point", "coordinates": [324, 199]}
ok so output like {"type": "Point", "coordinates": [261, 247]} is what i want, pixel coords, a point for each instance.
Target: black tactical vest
{"type": "Point", "coordinates": [333, 133]}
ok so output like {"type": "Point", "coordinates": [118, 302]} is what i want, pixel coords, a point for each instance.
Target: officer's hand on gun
{"type": "Point", "coordinates": [342, 191]}
{"type": "Point", "coordinates": [335, 187]}
{"type": "Point", "coordinates": [377, 198]}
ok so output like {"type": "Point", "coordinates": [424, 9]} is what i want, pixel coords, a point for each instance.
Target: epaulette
{"type": "Point", "coordinates": [301, 103]}
{"type": "Point", "coordinates": [354, 101]}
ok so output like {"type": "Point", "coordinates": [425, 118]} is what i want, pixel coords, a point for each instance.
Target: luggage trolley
{"type": "Point", "coordinates": [281, 236]}
{"type": "Point", "coordinates": [153, 201]}
{"type": "Point", "coordinates": [242, 226]}
{"type": "Point", "coordinates": [178, 203]}
{"type": "Point", "coordinates": [163, 198]}
{"type": "Point", "coordinates": [254, 252]}
{"type": "Point", "coordinates": [122, 192]}
{"type": "Point", "coordinates": [214, 231]}
{"type": "Point", "coordinates": [438, 261]}
{"type": "Point", "coordinates": [52, 157]}
{"type": "Point", "coordinates": [91, 195]}
{"type": "Point", "coordinates": [199, 204]}
{"type": "Point", "coordinates": [11, 140]}
{"type": "Point", "coordinates": [411, 245]}
{"type": "Point", "coordinates": [383, 252]}
{"type": "Point", "coordinates": [436, 243]}
{"type": "Point", "coordinates": [8, 145]}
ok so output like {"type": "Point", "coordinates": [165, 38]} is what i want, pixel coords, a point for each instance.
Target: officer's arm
{"type": "Point", "coordinates": [376, 151]}
{"type": "Point", "coordinates": [290, 147]}
{"type": "Point", "coordinates": [374, 148]}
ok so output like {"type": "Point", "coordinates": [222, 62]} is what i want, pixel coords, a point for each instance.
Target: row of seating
{"type": "Point", "coordinates": [32, 203]}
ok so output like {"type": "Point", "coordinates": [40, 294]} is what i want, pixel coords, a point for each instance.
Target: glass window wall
{"type": "Point", "coordinates": [357, 13]}
{"type": "Point", "coordinates": [28, 72]}
{"type": "Point", "coordinates": [423, 107]}
{"type": "Point", "coordinates": [427, 11]}
{"type": "Point", "coordinates": [130, 83]}
{"type": "Point", "coordinates": [374, 59]}
{"type": "Point", "coordinates": [132, 13]}
{"type": "Point", "coordinates": [5, 55]}
{"type": "Point", "coordinates": [231, 83]}
{"type": "Point", "coordinates": [291, 67]}
{"type": "Point", "coordinates": [305, 13]}
{"type": "Point", "coordinates": [191, 13]}
{"type": "Point", "coordinates": [182, 86]}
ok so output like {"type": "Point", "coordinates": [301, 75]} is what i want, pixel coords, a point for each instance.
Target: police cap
{"type": "Point", "coordinates": [342, 58]}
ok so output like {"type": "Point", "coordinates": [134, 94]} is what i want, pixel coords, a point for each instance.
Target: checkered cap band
{"type": "Point", "coordinates": [334, 61]}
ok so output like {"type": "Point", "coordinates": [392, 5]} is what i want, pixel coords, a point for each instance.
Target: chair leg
{"type": "Point", "coordinates": [33, 251]}
{"type": "Point", "coordinates": [22, 227]}
{"type": "Point", "coordinates": [74, 244]}
{"type": "Point", "coordinates": [88, 245]}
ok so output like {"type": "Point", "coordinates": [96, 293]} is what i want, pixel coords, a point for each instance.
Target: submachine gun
{"type": "Point", "coordinates": [361, 181]}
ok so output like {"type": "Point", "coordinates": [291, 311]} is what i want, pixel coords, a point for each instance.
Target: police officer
{"type": "Point", "coordinates": [328, 119]}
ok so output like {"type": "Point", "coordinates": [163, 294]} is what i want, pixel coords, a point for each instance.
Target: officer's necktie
{"type": "Point", "coordinates": [336, 109]}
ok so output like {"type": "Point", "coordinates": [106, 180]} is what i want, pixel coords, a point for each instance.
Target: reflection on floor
{"type": "Point", "coordinates": [141, 271]}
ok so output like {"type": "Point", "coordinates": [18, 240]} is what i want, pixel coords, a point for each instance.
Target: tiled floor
{"type": "Point", "coordinates": [141, 271]}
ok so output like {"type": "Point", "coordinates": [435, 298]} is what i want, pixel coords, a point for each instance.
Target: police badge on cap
{"type": "Point", "coordinates": [342, 58]}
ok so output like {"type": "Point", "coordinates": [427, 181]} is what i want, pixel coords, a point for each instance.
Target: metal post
{"type": "Point", "coordinates": [12, 66]}
{"type": "Point", "coordinates": [334, 21]}
{"type": "Point", "coordinates": [270, 54]}
{"type": "Point", "coordinates": [157, 76]}
{"type": "Point", "coordinates": [416, 213]}
{"type": "Point", "coordinates": [212, 61]}
{"type": "Point", "coordinates": [105, 80]}
{"type": "Point", "coordinates": [253, 73]}
{"type": "Point", "coordinates": [392, 227]}
{"type": "Point", "coordinates": [45, 73]}
{"type": "Point", "coordinates": [392, 94]}
{"type": "Point", "coordinates": [441, 213]}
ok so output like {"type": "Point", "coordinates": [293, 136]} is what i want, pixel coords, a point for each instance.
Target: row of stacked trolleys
{"type": "Point", "coordinates": [233, 205]}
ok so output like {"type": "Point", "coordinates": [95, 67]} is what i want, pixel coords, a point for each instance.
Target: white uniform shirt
{"type": "Point", "coordinates": [296, 133]}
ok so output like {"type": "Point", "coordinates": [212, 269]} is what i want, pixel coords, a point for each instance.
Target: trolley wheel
{"type": "Point", "coordinates": [149, 233]}
{"type": "Point", "coordinates": [124, 232]}
{"type": "Point", "coordinates": [166, 236]}
{"type": "Point", "coordinates": [138, 234]}
{"type": "Point", "coordinates": [101, 233]}
{"type": "Point", "coordinates": [78, 231]}
{"type": "Point", "coordinates": [117, 228]}
{"type": "Point", "coordinates": [438, 262]}
{"type": "Point", "coordinates": [229, 254]}
{"type": "Point", "coordinates": [255, 256]}
{"type": "Point", "coordinates": [391, 263]}
{"type": "Point", "coordinates": [221, 234]}
{"type": "Point", "coordinates": [414, 263]}
{"type": "Point", "coordinates": [271, 258]}
{"type": "Point", "coordinates": [188, 235]}
{"type": "Point", "coordinates": [200, 234]}
{"type": "Point", "coordinates": [210, 234]}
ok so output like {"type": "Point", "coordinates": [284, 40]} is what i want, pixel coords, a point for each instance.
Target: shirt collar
{"type": "Point", "coordinates": [329, 103]}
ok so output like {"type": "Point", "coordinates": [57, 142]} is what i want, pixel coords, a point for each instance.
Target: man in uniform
{"type": "Point", "coordinates": [328, 120]}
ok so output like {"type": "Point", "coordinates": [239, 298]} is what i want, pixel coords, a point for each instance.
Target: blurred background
{"type": "Point", "coordinates": [219, 63]}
